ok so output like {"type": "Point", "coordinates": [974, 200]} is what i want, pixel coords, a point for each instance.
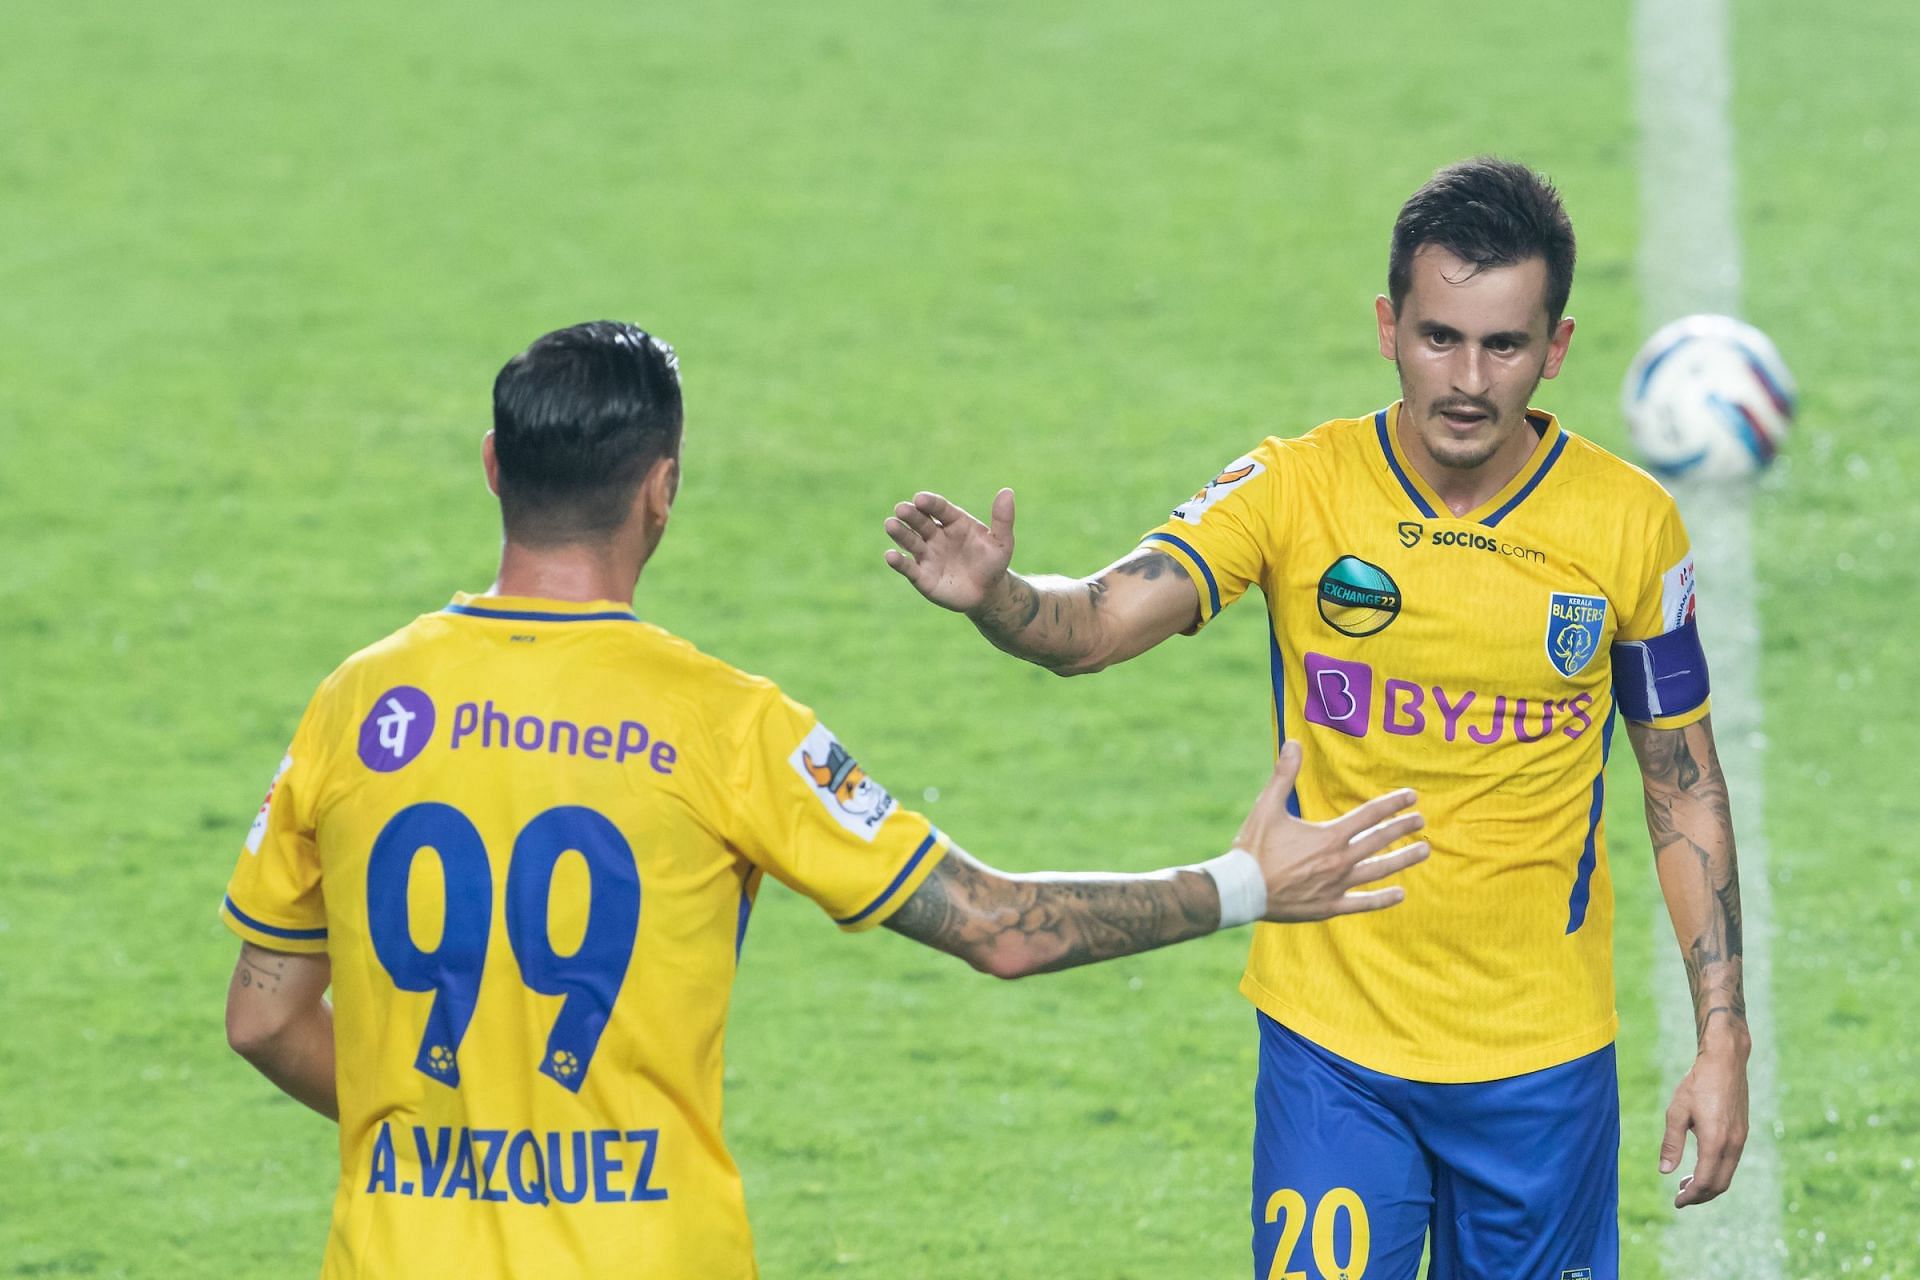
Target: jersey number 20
{"type": "Point", "coordinates": [589, 978]}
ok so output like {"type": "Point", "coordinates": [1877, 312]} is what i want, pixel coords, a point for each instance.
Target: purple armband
{"type": "Point", "coordinates": [1662, 676]}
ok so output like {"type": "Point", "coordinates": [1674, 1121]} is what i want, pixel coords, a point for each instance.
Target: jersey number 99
{"type": "Point", "coordinates": [589, 978]}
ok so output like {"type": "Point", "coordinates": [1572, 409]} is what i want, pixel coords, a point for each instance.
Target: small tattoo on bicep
{"type": "Point", "coordinates": [1153, 565]}
{"type": "Point", "coordinates": [258, 969]}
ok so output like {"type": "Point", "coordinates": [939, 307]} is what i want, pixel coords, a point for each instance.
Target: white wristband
{"type": "Point", "coordinates": [1243, 889]}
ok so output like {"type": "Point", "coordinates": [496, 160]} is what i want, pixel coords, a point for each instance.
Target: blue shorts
{"type": "Point", "coordinates": [1515, 1179]}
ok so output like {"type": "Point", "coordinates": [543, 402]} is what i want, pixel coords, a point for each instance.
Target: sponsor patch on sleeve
{"type": "Point", "coordinates": [1676, 595]}
{"type": "Point", "coordinates": [1237, 473]}
{"type": "Point", "coordinates": [258, 831]}
{"type": "Point", "coordinates": [842, 787]}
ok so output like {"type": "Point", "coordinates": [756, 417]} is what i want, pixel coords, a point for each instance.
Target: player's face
{"type": "Point", "coordinates": [1471, 345]}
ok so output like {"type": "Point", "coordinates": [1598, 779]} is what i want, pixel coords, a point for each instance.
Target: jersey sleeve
{"type": "Point", "coordinates": [810, 815]}
{"type": "Point", "coordinates": [1659, 666]}
{"type": "Point", "coordinates": [1222, 536]}
{"type": "Point", "coordinates": [274, 898]}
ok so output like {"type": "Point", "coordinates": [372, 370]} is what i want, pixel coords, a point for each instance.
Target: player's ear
{"type": "Point", "coordinates": [1384, 317]}
{"type": "Point", "coordinates": [491, 462]}
{"type": "Point", "coordinates": [1557, 347]}
{"type": "Point", "coordinates": [658, 489]}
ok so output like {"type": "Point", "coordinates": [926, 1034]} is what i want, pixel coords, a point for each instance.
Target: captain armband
{"type": "Point", "coordinates": [1662, 676]}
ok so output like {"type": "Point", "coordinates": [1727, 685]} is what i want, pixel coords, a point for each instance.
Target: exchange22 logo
{"type": "Point", "coordinates": [590, 977]}
{"type": "Point", "coordinates": [1358, 598]}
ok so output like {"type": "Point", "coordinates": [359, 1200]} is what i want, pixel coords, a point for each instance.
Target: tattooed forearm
{"type": "Point", "coordinates": [1713, 980]}
{"type": "Point", "coordinates": [1046, 620]}
{"type": "Point", "coordinates": [1057, 622]}
{"type": "Point", "coordinates": [1690, 821]}
{"type": "Point", "coordinates": [1011, 925]}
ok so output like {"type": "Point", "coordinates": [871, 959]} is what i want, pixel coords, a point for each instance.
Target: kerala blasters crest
{"type": "Point", "coordinates": [1237, 473]}
{"type": "Point", "coordinates": [855, 800]}
{"type": "Point", "coordinates": [1574, 626]}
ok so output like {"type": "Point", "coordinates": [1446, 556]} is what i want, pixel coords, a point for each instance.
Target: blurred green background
{"type": "Point", "coordinates": [259, 264]}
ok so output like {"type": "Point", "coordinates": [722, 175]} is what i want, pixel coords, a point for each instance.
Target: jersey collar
{"type": "Point", "coordinates": [534, 609]}
{"type": "Point", "coordinates": [1553, 441]}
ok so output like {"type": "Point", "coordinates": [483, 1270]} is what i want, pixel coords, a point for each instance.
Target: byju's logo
{"type": "Point", "coordinates": [1341, 695]}
{"type": "Point", "coordinates": [396, 730]}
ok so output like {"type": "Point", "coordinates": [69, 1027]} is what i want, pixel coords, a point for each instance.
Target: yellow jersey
{"type": "Point", "coordinates": [1474, 658]}
{"type": "Point", "coordinates": [528, 835]}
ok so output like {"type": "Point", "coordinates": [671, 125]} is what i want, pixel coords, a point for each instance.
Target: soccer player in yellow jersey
{"type": "Point", "coordinates": [1462, 593]}
{"type": "Point", "coordinates": [520, 839]}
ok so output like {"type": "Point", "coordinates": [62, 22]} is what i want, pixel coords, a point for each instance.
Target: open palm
{"type": "Point", "coordinates": [950, 557]}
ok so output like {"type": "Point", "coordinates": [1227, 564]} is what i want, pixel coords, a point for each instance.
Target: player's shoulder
{"type": "Point", "coordinates": [711, 678]}
{"type": "Point", "coordinates": [371, 663]}
{"type": "Point", "coordinates": [1336, 442]}
{"type": "Point", "coordinates": [1347, 441]}
{"type": "Point", "coordinates": [1609, 481]}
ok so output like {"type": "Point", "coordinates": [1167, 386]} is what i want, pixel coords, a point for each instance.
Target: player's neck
{"type": "Point", "coordinates": [575, 571]}
{"type": "Point", "coordinates": [1463, 489]}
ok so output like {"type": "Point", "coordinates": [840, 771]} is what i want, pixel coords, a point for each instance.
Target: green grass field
{"type": "Point", "coordinates": [258, 267]}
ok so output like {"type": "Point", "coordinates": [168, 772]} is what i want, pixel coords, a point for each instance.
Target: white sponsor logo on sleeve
{"type": "Point", "coordinates": [843, 788]}
{"type": "Point", "coordinates": [259, 829]}
{"type": "Point", "coordinates": [1676, 595]}
{"type": "Point", "coordinates": [1237, 473]}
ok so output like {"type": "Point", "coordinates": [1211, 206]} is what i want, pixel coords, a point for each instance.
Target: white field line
{"type": "Point", "coordinates": [1690, 261]}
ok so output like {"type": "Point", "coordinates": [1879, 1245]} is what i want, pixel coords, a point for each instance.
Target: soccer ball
{"type": "Point", "coordinates": [1708, 396]}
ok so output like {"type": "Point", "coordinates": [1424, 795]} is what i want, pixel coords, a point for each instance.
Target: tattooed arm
{"type": "Point", "coordinates": [279, 1020]}
{"type": "Point", "coordinates": [1691, 824]}
{"type": "Point", "coordinates": [1014, 925]}
{"type": "Point", "coordinates": [1071, 626]}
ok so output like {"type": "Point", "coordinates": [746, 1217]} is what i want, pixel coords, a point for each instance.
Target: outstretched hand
{"type": "Point", "coordinates": [950, 557]}
{"type": "Point", "coordinates": [1314, 869]}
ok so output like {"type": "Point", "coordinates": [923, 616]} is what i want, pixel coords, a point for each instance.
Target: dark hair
{"type": "Point", "coordinates": [1492, 213]}
{"type": "Point", "coordinates": [578, 418]}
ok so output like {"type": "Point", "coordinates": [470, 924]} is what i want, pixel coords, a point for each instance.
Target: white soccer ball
{"type": "Point", "coordinates": [1708, 396]}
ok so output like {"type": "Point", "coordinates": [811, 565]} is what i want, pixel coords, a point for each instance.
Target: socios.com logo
{"type": "Point", "coordinates": [1358, 598]}
{"type": "Point", "coordinates": [396, 730]}
{"type": "Point", "coordinates": [1412, 531]}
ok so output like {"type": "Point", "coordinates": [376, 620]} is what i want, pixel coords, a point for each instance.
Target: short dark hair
{"type": "Point", "coordinates": [578, 418]}
{"type": "Point", "coordinates": [1492, 213]}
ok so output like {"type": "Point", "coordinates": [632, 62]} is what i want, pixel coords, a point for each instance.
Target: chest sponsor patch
{"type": "Point", "coordinates": [843, 788]}
{"type": "Point", "coordinates": [1358, 598]}
{"type": "Point", "coordinates": [1575, 625]}
{"type": "Point", "coordinates": [1237, 473]}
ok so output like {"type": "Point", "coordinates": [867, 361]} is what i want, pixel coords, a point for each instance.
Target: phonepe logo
{"type": "Point", "coordinates": [1346, 697]}
{"type": "Point", "coordinates": [396, 730]}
